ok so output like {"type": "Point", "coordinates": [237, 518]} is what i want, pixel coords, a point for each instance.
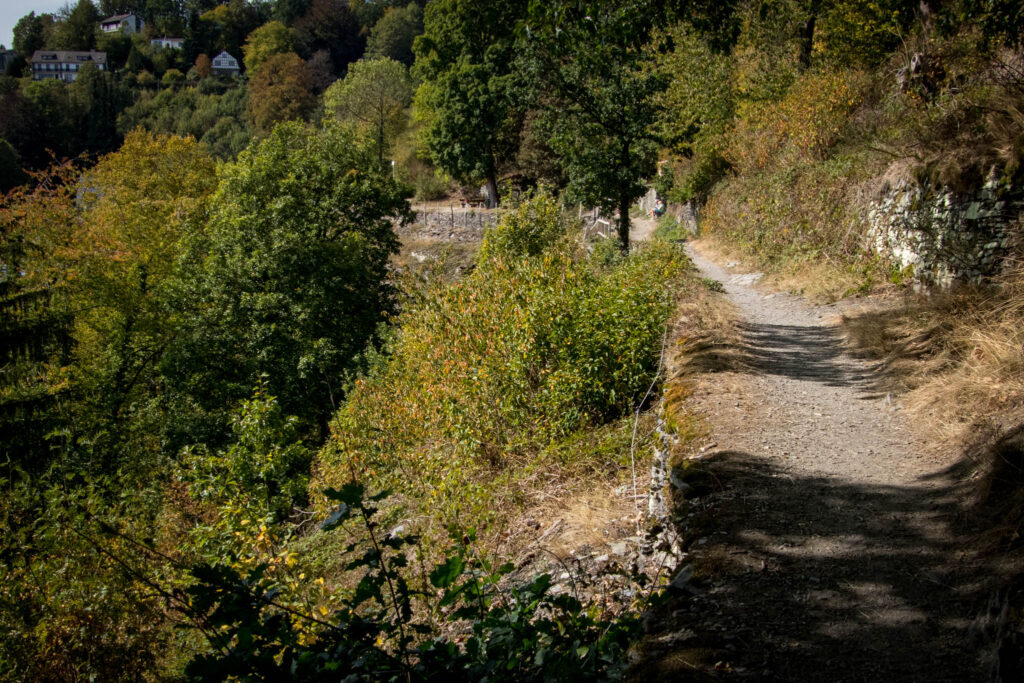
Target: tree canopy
{"type": "Point", "coordinates": [290, 273]}
{"type": "Point", "coordinates": [374, 95]}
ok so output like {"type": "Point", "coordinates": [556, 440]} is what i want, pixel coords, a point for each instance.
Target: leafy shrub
{"type": "Point", "coordinates": [491, 369]}
{"type": "Point", "coordinates": [527, 230]}
{"type": "Point", "coordinates": [520, 634]}
{"type": "Point", "coordinates": [260, 478]}
{"type": "Point", "coordinates": [802, 126]}
{"type": "Point", "coordinates": [863, 33]}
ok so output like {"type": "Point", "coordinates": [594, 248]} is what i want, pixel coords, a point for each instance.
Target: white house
{"type": "Point", "coordinates": [165, 43]}
{"type": "Point", "coordinates": [129, 23]}
{"type": "Point", "coordinates": [225, 65]}
{"type": "Point", "coordinates": [64, 64]}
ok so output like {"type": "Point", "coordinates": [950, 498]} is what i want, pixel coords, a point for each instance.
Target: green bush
{"type": "Point", "coordinates": [499, 365]}
{"type": "Point", "coordinates": [525, 633]}
{"type": "Point", "coordinates": [527, 230]}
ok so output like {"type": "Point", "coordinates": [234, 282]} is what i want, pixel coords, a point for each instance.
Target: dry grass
{"type": "Point", "coordinates": [818, 281]}
{"type": "Point", "coordinates": [959, 357]}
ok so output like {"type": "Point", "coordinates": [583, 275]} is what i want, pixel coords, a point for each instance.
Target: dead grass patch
{"type": "Point", "coordinates": [959, 357]}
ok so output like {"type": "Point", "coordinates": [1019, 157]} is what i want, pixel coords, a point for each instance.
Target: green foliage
{"type": "Point", "coordinates": [260, 478]}
{"type": "Point", "coordinates": [699, 103]}
{"type": "Point", "coordinates": [288, 275]}
{"type": "Point", "coordinates": [587, 61]}
{"type": "Point", "coordinates": [373, 96]}
{"type": "Point", "coordinates": [465, 60]}
{"type": "Point", "coordinates": [1000, 20]}
{"type": "Point", "coordinates": [135, 203]}
{"type": "Point", "coordinates": [863, 33]}
{"type": "Point", "coordinates": [526, 230]}
{"type": "Point", "coordinates": [11, 173]}
{"type": "Point", "coordinates": [30, 32]}
{"type": "Point", "coordinates": [76, 30]}
{"type": "Point", "coordinates": [272, 38]}
{"type": "Point", "coordinates": [493, 368]}
{"type": "Point", "coordinates": [35, 323]}
{"type": "Point", "coordinates": [69, 610]}
{"type": "Point", "coordinates": [172, 77]}
{"type": "Point", "coordinates": [520, 634]}
{"type": "Point", "coordinates": [670, 229]}
{"type": "Point", "coordinates": [217, 119]}
{"type": "Point", "coordinates": [393, 34]}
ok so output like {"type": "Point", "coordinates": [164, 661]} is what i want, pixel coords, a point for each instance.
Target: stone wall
{"type": "Point", "coordinates": [946, 237]}
{"type": "Point", "coordinates": [453, 224]}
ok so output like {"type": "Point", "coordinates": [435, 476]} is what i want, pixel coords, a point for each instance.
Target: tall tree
{"type": "Point", "coordinates": [30, 32]}
{"type": "Point", "coordinates": [280, 90]}
{"type": "Point", "coordinates": [290, 278]}
{"type": "Point", "coordinates": [374, 96]}
{"type": "Point", "coordinates": [329, 25]}
{"type": "Point", "coordinates": [273, 38]}
{"type": "Point", "coordinates": [77, 30]}
{"type": "Point", "coordinates": [393, 34]}
{"type": "Point", "coordinates": [100, 98]}
{"type": "Point", "coordinates": [465, 59]}
{"type": "Point", "coordinates": [135, 202]}
{"type": "Point", "coordinates": [586, 64]}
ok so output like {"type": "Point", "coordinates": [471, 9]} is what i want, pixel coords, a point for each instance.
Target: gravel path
{"type": "Point", "coordinates": [825, 546]}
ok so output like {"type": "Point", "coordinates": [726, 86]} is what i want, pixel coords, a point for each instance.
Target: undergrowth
{"type": "Point", "coordinates": [488, 380]}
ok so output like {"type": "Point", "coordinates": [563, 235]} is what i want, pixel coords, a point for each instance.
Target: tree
{"type": "Point", "coordinates": [30, 33]}
{"type": "Point", "coordinates": [465, 60]}
{"type": "Point", "coordinates": [11, 173]}
{"type": "Point", "coordinates": [100, 98]}
{"type": "Point", "coordinates": [172, 77]}
{"type": "Point", "coordinates": [586, 64]}
{"type": "Point", "coordinates": [136, 202]}
{"type": "Point", "coordinates": [393, 34]}
{"type": "Point", "coordinates": [281, 90]}
{"type": "Point", "coordinates": [77, 30]}
{"type": "Point", "coordinates": [229, 25]}
{"type": "Point", "coordinates": [329, 25]}
{"type": "Point", "coordinates": [374, 95]}
{"type": "Point", "coordinates": [272, 38]}
{"type": "Point", "coordinates": [288, 11]}
{"type": "Point", "coordinates": [35, 221]}
{"type": "Point", "coordinates": [118, 46]}
{"type": "Point", "coordinates": [290, 276]}
{"type": "Point", "coordinates": [321, 70]}
{"type": "Point", "coordinates": [203, 66]}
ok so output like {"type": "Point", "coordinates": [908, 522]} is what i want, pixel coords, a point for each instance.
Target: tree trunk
{"type": "Point", "coordinates": [624, 221]}
{"type": "Point", "coordinates": [492, 192]}
{"type": "Point", "coordinates": [806, 42]}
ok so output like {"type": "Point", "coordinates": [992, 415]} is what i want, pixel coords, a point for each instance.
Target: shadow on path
{"type": "Point", "coordinates": [813, 579]}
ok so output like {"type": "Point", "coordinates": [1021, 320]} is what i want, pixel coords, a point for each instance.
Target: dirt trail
{"type": "Point", "coordinates": [822, 537]}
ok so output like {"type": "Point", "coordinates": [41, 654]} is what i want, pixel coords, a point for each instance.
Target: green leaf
{"type": "Point", "coordinates": [444, 574]}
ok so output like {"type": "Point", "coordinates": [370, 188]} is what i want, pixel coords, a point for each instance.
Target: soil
{"type": "Point", "coordinates": [824, 541]}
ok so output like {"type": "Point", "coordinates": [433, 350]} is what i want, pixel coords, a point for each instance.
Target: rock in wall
{"type": "Point", "coordinates": [946, 237]}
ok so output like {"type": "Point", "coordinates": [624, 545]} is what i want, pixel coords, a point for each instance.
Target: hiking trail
{"type": "Point", "coordinates": [821, 535]}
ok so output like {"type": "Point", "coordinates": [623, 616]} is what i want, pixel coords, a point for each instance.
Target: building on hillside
{"type": "Point", "coordinates": [64, 64]}
{"type": "Point", "coordinates": [129, 23]}
{"type": "Point", "coordinates": [168, 43]}
{"type": "Point", "coordinates": [225, 65]}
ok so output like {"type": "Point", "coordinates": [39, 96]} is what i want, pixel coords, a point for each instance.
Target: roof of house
{"type": "Point", "coordinates": [117, 18]}
{"type": "Point", "coordinates": [165, 38]}
{"type": "Point", "coordinates": [224, 53]}
{"type": "Point", "coordinates": [69, 56]}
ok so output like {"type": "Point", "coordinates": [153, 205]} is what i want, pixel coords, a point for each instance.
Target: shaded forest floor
{"type": "Point", "coordinates": [823, 540]}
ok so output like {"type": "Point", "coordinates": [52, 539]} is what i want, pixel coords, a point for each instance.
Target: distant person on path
{"type": "Point", "coordinates": [659, 209]}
